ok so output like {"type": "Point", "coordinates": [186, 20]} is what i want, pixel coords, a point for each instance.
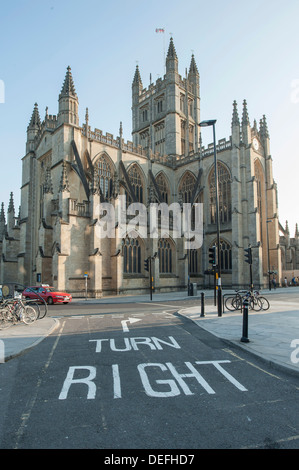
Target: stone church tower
{"type": "Point", "coordinates": [70, 170]}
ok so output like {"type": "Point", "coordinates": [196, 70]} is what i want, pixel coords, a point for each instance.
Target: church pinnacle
{"type": "Point", "coordinates": [235, 119]}
{"type": "Point", "coordinates": [171, 50]}
{"type": "Point", "coordinates": [35, 121]}
{"type": "Point", "coordinates": [137, 77]}
{"type": "Point", "coordinates": [171, 59]}
{"type": "Point", "coordinates": [193, 67]}
{"type": "Point", "coordinates": [68, 101]}
{"type": "Point", "coordinates": [11, 207]}
{"type": "Point", "coordinates": [2, 214]}
{"type": "Point", "coordinates": [68, 88]}
{"type": "Point", "coordinates": [245, 117]}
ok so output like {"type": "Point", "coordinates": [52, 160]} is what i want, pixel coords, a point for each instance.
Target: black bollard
{"type": "Point", "coordinates": [244, 338]}
{"type": "Point", "coordinates": [202, 304]}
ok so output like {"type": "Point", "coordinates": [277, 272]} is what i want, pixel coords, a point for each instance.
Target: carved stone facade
{"type": "Point", "coordinates": [69, 169]}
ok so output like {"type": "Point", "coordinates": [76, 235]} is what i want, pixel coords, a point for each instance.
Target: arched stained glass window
{"type": "Point", "coordinates": [224, 194]}
{"type": "Point", "coordinates": [225, 255]}
{"type": "Point", "coordinates": [193, 261]}
{"type": "Point", "coordinates": [132, 255]}
{"type": "Point", "coordinates": [163, 187]}
{"type": "Point", "coordinates": [186, 187]}
{"type": "Point", "coordinates": [165, 256]}
{"type": "Point", "coordinates": [104, 173]}
{"type": "Point", "coordinates": [136, 183]}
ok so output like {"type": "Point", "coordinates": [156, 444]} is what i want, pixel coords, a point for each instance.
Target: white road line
{"type": "Point", "coordinates": [155, 303]}
{"type": "Point", "coordinates": [26, 415]}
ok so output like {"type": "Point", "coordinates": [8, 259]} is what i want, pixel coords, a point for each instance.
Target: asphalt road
{"type": "Point", "coordinates": [139, 376]}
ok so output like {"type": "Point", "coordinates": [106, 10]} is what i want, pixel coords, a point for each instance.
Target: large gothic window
{"type": "Point", "coordinates": [103, 170]}
{"type": "Point", "coordinates": [132, 255]}
{"type": "Point", "coordinates": [183, 137]}
{"type": "Point", "coordinates": [165, 256]}
{"type": "Point", "coordinates": [225, 255]}
{"type": "Point", "coordinates": [136, 183]}
{"type": "Point", "coordinates": [160, 138]}
{"type": "Point", "coordinates": [163, 187]}
{"type": "Point", "coordinates": [186, 187]}
{"type": "Point", "coordinates": [193, 259]}
{"type": "Point", "coordinates": [224, 194]}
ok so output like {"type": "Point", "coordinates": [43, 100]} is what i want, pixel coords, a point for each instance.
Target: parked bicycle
{"type": "Point", "coordinates": [13, 311]}
{"type": "Point", "coordinates": [255, 301]}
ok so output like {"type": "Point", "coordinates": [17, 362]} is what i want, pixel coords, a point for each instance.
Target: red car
{"type": "Point", "coordinates": [49, 294]}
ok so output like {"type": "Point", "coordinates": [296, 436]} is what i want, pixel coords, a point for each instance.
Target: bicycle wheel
{"type": "Point", "coordinates": [36, 308]}
{"type": "Point", "coordinates": [5, 318]}
{"type": "Point", "coordinates": [264, 302]}
{"type": "Point", "coordinates": [237, 303]}
{"type": "Point", "coordinates": [29, 315]}
{"type": "Point", "coordinates": [229, 303]}
{"type": "Point", "coordinates": [255, 304]}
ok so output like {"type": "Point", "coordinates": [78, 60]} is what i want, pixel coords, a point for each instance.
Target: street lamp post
{"type": "Point", "coordinates": [207, 124]}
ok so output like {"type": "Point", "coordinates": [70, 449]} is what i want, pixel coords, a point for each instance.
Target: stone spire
{"type": "Point", "coordinates": [68, 101]}
{"type": "Point", "coordinates": [2, 213]}
{"type": "Point", "coordinates": [10, 215]}
{"type": "Point", "coordinates": [171, 59]}
{"type": "Point", "coordinates": [33, 129]}
{"type": "Point", "coordinates": [235, 119]}
{"type": "Point", "coordinates": [246, 130]}
{"type": "Point", "coordinates": [171, 54]}
{"type": "Point", "coordinates": [11, 207]}
{"type": "Point", "coordinates": [193, 70]}
{"type": "Point", "coordinates": [137, 77]}
{"type": "Point", "coordinates": [86, 122]}
{"type": "Point", "coordinates": [235, 125]}
{"type": "Point", "coordinates": [265, 127]}
{"type": "Point", "coordinates": [68, 88]}
{"type": "Point", "coordinates": [35, 121]}
{"type": "Point", "coordinates": [136, 91]}
{"type": "Point", "coordinates": [245, 117]}
{"type": "Point", "coordinates": [2, 221]}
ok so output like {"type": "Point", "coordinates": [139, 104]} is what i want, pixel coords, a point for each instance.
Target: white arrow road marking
{"type": "Point", "coordinates": [130, 320]}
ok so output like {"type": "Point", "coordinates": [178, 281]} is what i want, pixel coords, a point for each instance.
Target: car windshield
{"type": "Point", "coordinates": [50, 289]}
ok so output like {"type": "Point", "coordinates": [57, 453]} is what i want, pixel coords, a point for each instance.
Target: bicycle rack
{"type": "Point", "coordinates": [5, 288]}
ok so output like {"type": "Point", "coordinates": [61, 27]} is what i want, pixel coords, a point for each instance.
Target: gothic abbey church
{"type": "Point", "coordinates": [69, 169]}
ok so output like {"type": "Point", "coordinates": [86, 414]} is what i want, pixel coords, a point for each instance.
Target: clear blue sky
{"type": "Point", "coordinates": [243, 50]}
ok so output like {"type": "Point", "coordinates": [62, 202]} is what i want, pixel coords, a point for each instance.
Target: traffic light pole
{"type": "Point", "coordinates": [248, 259]}
{"type": "Point", "coordinates": [151, 282]}
{"type": "Point", "coordinates": [148, 267]}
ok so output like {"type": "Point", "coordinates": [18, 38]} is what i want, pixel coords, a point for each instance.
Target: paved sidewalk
{"type": "Point", "coordinates": [20, 337]}
{"type": "Point", "coordinates": [270, 333]}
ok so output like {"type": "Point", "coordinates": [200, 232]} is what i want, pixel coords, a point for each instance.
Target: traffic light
{"type": "Point", "coordinates": [146, 265]}
{"type": "Point", "coordinates": [248, 255]}
{"type": "Point", "coordinates": [212, 255]}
